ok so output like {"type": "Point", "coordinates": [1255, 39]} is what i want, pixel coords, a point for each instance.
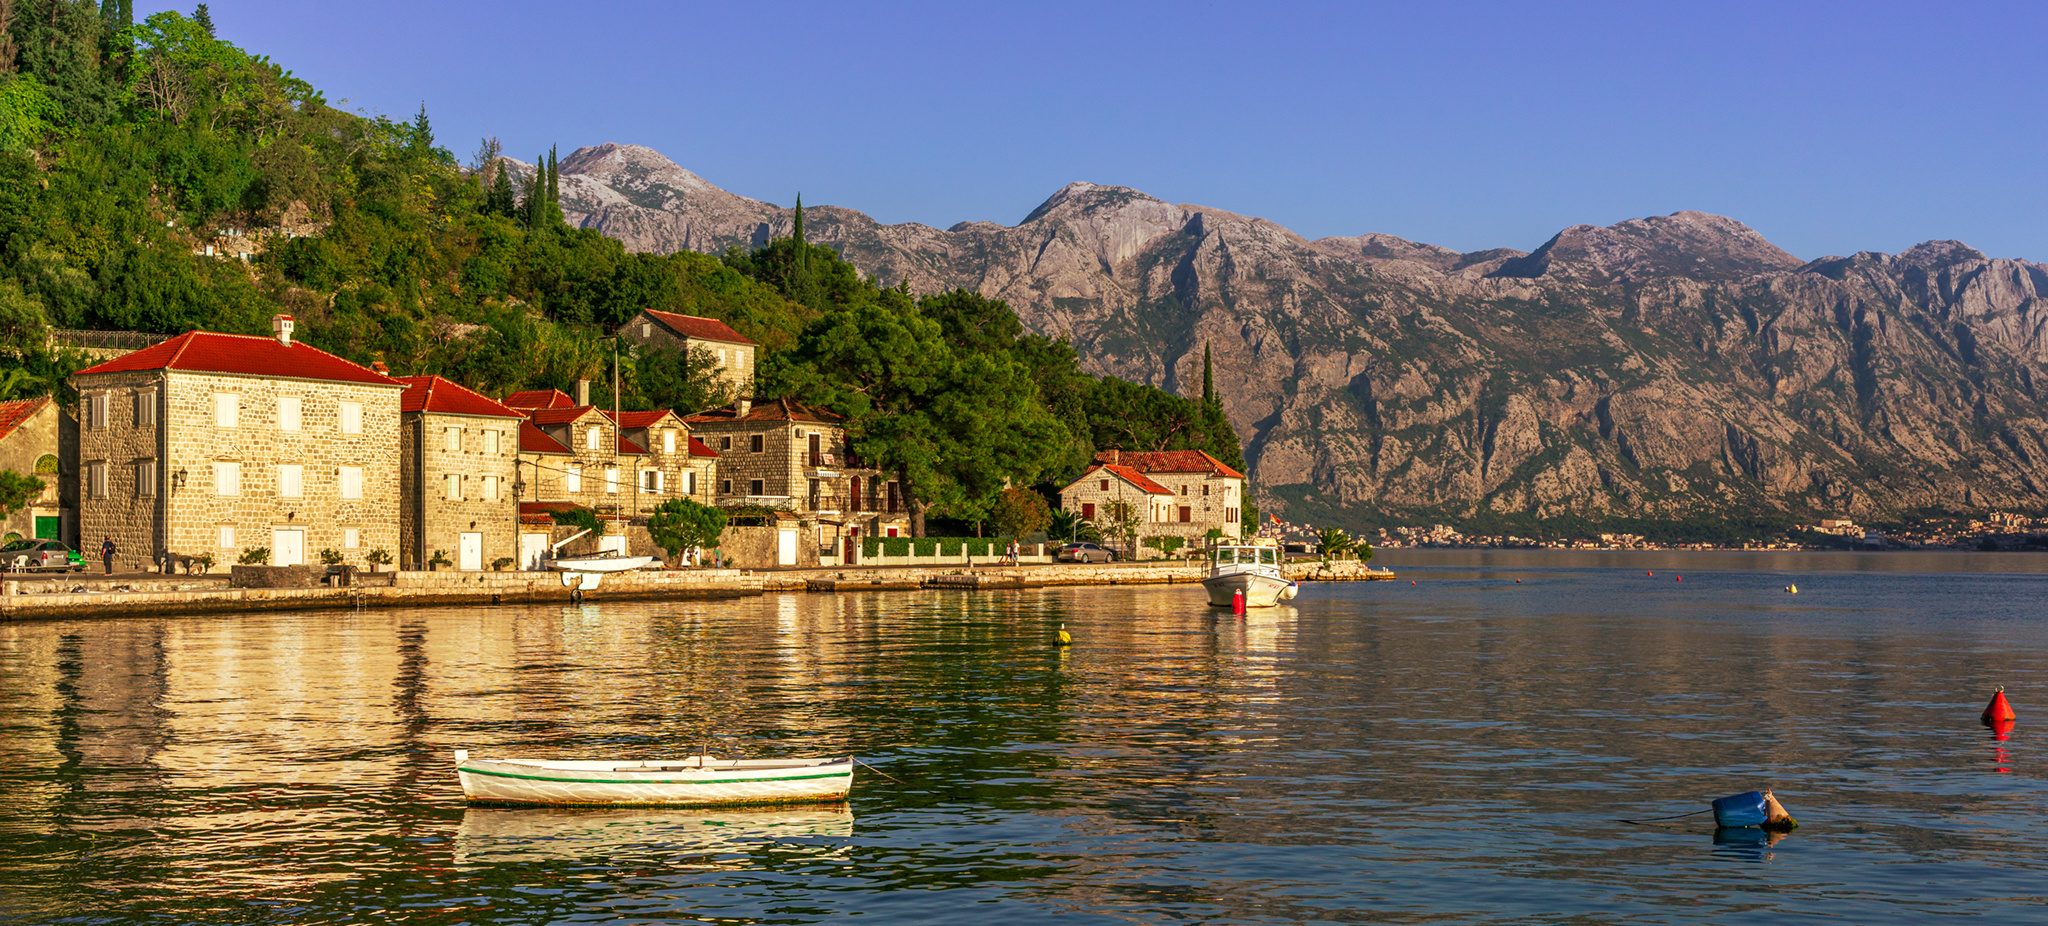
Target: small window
{"type": "Point", "coordinates": [227, 479]}
{"type": "Point", "coordinates": [1205, 488]}
{"type": "Point", "coordinates": [668, 441]}
{"type": "Point", "coordinates": [646, 330]}
{"type": "Point", "coordinates": [755, 444]}
{"type": "Point", "coordinates": [351, 538]}
{"type": "Point", "coordinates": [288, 408]}
{"type": "Point", "coordinates": [1105, 485]}
{"type": "Point", "coordinates": [491, 488]}
{"type": "Point", "coordinates": [145, 408]}
{"type": "Point", "coordinates": [227, 538]}
{"type": "Point", "coordinates": [291, 480]}
{"type": "Point", "coordinates": [100, 403]}
{"type": "Point", "coordinates": [145, 479]}
{"type": "Point", "coordinates": [227, 409]}
{"type": "Point", "coordinates": [1183, 489]}
{"type": "Point", "coordinates": [451, 440]}
{"type": "Point", "coordinates": [689, 483]}
{"type": "Point", "coordinates": [650, 481]}
{"type": "Point", "coordinates": [725, 443]}
{"type": "Point", "coordinates": [453, 485]}
{"type": "Point", "coordinates": [591, 438]}
{"type": "Point", "coordinates": [491, 442]}
{"type": "Point", "coordinates": [753, 487]}
{"type": "Point", "coordinates": [351, 417]}
{"type": "Point", "coordinates": [572, 479]}
{"type": "Point", "coordinates": [725, 487]}
{"type": "Point", "coordinates": [351, 479]}
{"type": "Point", "coordinates": [611, 480]}
{"type": "Point", "coordinates": [96, 480]}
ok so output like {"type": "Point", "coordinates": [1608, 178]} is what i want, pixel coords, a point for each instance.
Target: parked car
{"type": "Point", "coordinates": [1084, 553]}
{"type": "Point", "coordinates": [40, 555]}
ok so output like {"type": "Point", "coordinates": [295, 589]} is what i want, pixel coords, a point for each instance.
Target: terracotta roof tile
{"type": "Point", "coordinates": [539, 398]}
{"type": "Point", "coordinates": [769, 410]}
{"type": "Point", "coordinates": [1168, 461]}
{"type": "Point", "coordinates": [249, 355]}
{"type": "Point", "coordinates": [1127, 474]}
{"type": "Point", "coordinates": [692, 326]}
{"type": "Point", "coordinates": [14, 414]}
{"type": "Point", "coordinates": [434, 394]}
{"type": "Point", "coordinates": [640, 419]}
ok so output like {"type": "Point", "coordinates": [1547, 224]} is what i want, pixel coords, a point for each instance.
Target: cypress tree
{"type": "Point", "coordinates": [1208, 378]}
{"type": "Point", "coordinates": [554, 185]}
{"type": "Point", "coordinates": [537, 192]}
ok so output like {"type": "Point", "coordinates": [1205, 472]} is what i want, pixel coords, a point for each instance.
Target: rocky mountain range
{"type": "Point", "coordinates": [1676, 366]}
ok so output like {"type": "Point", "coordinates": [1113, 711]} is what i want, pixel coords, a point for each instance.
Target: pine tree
{"type": "Point", "coordinates": [204, 20]}
{"type": "Point", "coordinates": [501, 199]}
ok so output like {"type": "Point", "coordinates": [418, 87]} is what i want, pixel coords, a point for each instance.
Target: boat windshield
{"type": "Point", "coordinates": [1263, 556]}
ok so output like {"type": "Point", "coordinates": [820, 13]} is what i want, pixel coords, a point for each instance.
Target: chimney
{"type": "Point", "coordinates": [281, 328]}
{"type": "Point", "coordinates": [745, 406]}
{"type": "Point", "coordinates": [582, 392]}
{"type": "Point", "coordinates": [377, 366]}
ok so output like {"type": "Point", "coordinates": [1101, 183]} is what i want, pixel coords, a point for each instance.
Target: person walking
{"type": "Point", "coordinates": [1013, 551]}
{"type": "Point", "coordinates": [107, 553]}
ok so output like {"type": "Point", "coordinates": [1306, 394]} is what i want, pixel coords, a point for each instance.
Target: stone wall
{"type": "Point", "coordinates": [1161, 514]}
{"type": "Point", "coordinates": [733, 363]}
{"type": "Point", "coordinates": [30, 442]}
{"type": "Point", "coordinates": [188, 512]}
{"type": "Point", "coordinates": [129, 514]}
{"type": "Point", "coordinates": [431, 519]}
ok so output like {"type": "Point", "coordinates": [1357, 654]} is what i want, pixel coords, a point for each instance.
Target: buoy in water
{"type": "Point", "coordinates": [1681, 578]}
{"type": "Point", "coordinates": [1999, 710]}
{"type": "Point", "coordinates": [1791, 589]}
{"type": "Point", "coordinates": [1237, 601]}
{"type": "Point", "coordinates": [1411, 581]}
{"type": "Point", "coordinates": [1652, 573]}
{"type": "Point", "coordinates": [1753, 808]}
{"type": "Point", "coordinates": [1066, 639]}
{"type": "Point", "coordinates": [1518, 581]}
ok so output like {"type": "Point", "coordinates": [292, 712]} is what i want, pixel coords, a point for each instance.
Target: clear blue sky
{"type": "Point", "coordinates": [1829, 127]}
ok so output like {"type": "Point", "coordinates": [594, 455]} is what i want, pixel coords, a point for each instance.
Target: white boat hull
{"type": "Point", "coordinates": [1260, 590]}
{"type": "Point", "coordinates": [679, 782]}
{"type": "Point", "coordinates": [599, 563]}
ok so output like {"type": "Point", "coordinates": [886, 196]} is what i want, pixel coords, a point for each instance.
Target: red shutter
{"type": "Point", "coordinates": [1186, 514]}
{"type": "Point", "coordinates": [1087, 511]}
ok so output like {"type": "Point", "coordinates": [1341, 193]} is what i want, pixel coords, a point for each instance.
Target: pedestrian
{"type": "Point", "coordinates": [1013, 551]}
{"type": "Point", "coordinates": [107, 553]}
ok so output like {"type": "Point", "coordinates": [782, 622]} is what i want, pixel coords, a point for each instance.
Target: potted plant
{"type": "Point", "coordinates": [205, 562]}
{"type": "Point", "coordinates": [439, 561]}
{"type": "Point", "coordinates": [330, 557]}
{"type": "Point", "coordinates": [380, 560]}
{"type": "Point", "coordinates": [254, 556]}
{"type": "Point", "coordinates": [502, 563]}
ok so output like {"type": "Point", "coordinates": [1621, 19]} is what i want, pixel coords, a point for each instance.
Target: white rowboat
{"type": "Point", "coordinates": [694, 781]}
{"type": "Point", "coordinates": [1253, 571]}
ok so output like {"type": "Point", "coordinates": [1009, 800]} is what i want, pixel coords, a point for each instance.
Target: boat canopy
{"type": "Point", "coordinates": [1264, 556]}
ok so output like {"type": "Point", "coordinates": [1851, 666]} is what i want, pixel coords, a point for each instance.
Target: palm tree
{"type": "Point", "coordinates": [1332, 541]}
{"type": "Point", "coordinates": [19, 383]}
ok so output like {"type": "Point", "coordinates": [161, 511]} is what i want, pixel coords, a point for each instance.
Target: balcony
{"type": "Point", "coordinates": [835, 459]}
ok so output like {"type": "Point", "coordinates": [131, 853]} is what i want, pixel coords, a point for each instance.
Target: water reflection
{"type": "Point", "coordinates": [705, 839]}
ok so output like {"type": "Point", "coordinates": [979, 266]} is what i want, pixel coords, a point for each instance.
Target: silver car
{"type": "Point", "coordinates": [1084, 553]}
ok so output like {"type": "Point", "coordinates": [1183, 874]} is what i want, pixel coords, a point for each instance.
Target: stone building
{"type": "Point", "coordinates": [730, 351]}
{"type": "Point", "coordinates": [675, 465]}
{"type": "Point", "coordinates": [34, 434]}
{"type": "Point", "coordinates": [458, 461]}
{"type": "Point", "coordinates": [1185, 492]}
{"type": "Point", "coordinates": [217, 443]}
{"type": "Point", "coordinates": [783, 454]}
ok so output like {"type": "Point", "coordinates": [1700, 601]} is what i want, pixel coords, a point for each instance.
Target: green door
{"type": "Point", "coordinates": [49, 528]}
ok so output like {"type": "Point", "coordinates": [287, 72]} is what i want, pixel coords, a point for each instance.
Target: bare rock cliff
{"type": "Point", "coordinates": [1669, 366]}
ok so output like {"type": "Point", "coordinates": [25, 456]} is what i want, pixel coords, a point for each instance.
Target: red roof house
{"type": "Point", "coordinates": [246, 355]}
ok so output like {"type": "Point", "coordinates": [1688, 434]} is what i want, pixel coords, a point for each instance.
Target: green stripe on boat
{"type": "Point", "coordinates": [651, 781]}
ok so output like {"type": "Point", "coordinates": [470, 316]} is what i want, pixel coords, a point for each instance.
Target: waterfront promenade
{"type": "Point", "coordinates": [69, 596]}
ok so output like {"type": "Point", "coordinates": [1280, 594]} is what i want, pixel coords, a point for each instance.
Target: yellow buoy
{"type": "Point", "coordinates": [1066, 639]}
{"type": "Point", "coordinates": [1791, 589]}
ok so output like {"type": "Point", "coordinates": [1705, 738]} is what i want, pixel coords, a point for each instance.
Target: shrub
{"type": "Point", "coordinates": [870, 547]}
{"type": "Point", "coordinates": [379, 557]}
{"type": "Point", "coordinates": [924, 546]}
{"type": "Point", "coordinates": [502, 563]}
{"type": "Point", "coordinates": [440, 558]}
{"type": "Point", "coordinates": [205, 561]}
{"type": "Point", "coordinates": [896, 546]}
{"type": "Point", "coordinates": [949, 546]}
{"type": "Point", "coordinates": [254, 556]}
{"type": "Point", "coordinates": [330, 557]}
{"type": "Point", "coordinates": [980, 546]}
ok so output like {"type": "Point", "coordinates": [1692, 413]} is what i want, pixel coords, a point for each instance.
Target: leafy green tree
{"type": "Point", "coordinates": [1248, 519]}
{"type": "Point", "coordinates": [1019, 511]}
{"type": "Point", "coordinates": [1120, 517]}
{"type": "Point", "coordinates": [680, 524]}
{"type": "Point", "coordinates": [17, 491]}
{"type": "Point", "coordinates": [1363, 549]}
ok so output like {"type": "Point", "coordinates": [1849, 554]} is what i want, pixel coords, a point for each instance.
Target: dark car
{"type": "Point", "coordinates": [1084, 553]}
{"type": "Point", "coordinates": [40, 555]}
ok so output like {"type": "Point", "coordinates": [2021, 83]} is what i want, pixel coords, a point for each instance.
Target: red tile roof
{"type": "Point", "coordinates": [1125, 473]}
{"type": "Point", "coordinates": [700, 449]}
{"type": "Point", "coordinates": [768, 410]}
{"type": "Point", "coordinates": [542, 512]}
{"type": "Point", "coordinates": [559, 415]}
{"type": "Point", "coordinates": [249, 355]}
{"type": "Point", "coordinates": [1168, 461]}
{"type": "Point", "coordinates": [534, 440]}
{"type": "Point", "coordinates": [14, 414]}
{"type": "Point", "coordinates": [692, 326]}
{"type": "Point", "coordinates": [640, 419]}
{"type": "Point", "coordinates": [539, 398]}
{"type": "Point", "coordinates": [445, 397]}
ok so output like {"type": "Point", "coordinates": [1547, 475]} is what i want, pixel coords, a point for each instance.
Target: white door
{"type": "Point", "coordinates": [287, 547]}
{"type": "Point", "coordinates": [471, 558]}
{"type": "Point", "coordinates": [785, 548]}
{"type": "Point", "coordinates": [532, 548]}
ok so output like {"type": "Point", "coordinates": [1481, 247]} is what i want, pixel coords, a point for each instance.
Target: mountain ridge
{"type": "Point", "coordinates": [1676, 366]}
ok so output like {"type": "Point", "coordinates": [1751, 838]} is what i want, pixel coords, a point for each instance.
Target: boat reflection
{"type": "Point", "coordinates": [627, 836]}
{"type": "Point", "coordinates": [1746, 843]}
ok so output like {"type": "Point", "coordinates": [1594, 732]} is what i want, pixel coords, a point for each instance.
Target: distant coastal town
{"type": "Point", "coordinates": [1997, 531]}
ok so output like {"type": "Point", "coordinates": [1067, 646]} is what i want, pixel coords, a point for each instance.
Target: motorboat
{"type": "Point", "coordinates": [1251, 570]}
{"type": "Point", "coordinates": [699, 781]}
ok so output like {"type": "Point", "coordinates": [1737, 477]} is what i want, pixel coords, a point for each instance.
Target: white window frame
{"type": "Point", "coordinates": [572, 478]}
{"type": "Point", "coordinates": [291, 413]}
{"type": "Point", "coordinates": [291, 480]}
{"type": "Point", "coordinates": [490, 490]}
{"type": "Point", "coordinates": [451, 439]}
{"type": "Point", "coordinates": [668, 440]}
{"type": "Point", "coordinates": [451, 486]}
{"type": "Point", "coordinates": [227, 479]}
{"type": "Point", "coordinates": [225, 537]}
{"type": "Point", "coordinates": [651, 481]}
{"type": "Point", "coordinates": [611, 480]}
{"type": "Point", "coordinates": [351, 416]}
{"type": "Point", "coordinates": [593, 439]}
{"type": "Point", "coordinates": [145, 479]}
{"type": "Point", "coordinates": [227, 409]}
{"type": "Point", "coordinates": [351, 538]}
{"type": "Point", "coordinates": [350, 480]}
{"type": "Point", "coordinates": [491, 441]}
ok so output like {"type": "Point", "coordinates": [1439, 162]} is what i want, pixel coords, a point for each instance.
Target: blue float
{"type": "Point", "coordinates": [1746, 809]}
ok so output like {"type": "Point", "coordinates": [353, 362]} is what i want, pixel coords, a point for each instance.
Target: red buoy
{"type": "Point", "coordinates": [1999, 710]}
{"type": "Point", "coordinates": [1652, 573]}
{"type": "Point", "coordinates": [1237, 601]}
{"type": "Point", "coordinates": [1681, 578]}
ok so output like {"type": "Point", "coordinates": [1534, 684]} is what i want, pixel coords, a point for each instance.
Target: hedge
{"type": "Point", "coordinates": [870, 547]}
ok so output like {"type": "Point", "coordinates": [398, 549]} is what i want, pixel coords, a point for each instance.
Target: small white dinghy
{"type": "Point", "coordinates": [584, 573]}
{"type": "Point", "coordinates": [698, 781]}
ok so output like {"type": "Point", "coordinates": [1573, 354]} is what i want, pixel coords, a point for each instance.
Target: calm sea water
{"type": "Point", "coordinates": [1459, 750]}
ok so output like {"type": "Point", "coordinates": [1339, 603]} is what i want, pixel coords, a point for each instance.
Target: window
{"type": "Point", "coordinates": [145, 408]}
{"type": "Point", "coordinates": [755, 444]}
{"type": "Point", "coordinates": [491, 488]}
{"type": "Point", "coordinates": [288, 412]}
{"type": "Point", "coordinates": [227, 538]}
{"type": "Point", "coordinates": [1183, 489]}
{"type": "Point", "coordinates": [351, 479]}
{"type": "Point", "coordinates": [725, 487]}
{"type": "Point", "coordinates": [753, 487]}
{"type": "Point", "coordinates": [98, 410]}
{"type": "Point", "coordinates": [590, 439]}
{"type": "Point", "coordinates": [451, 440]}
{"type": "Point", "coordinates": [650, 481]}
{"type": "Point", "coordinates": [689, 483]}
{"type": "Point", "coordinates": [721, 356]}
{"type": "Point", "coordinates": [572, 479]}
{"type": "Point", "coordinates": [291, 480]}
{"type": "Point", "coordinates": [1087, 511]}
{"type": "Point", "coordinates": [227, 409]}
{"type": "Point", "coordinates": [725, 443]}
{"type": "Point", "coordinates": [491, 442]}
{"type": "Point", "coordinates": [96, 480]}
{"type": "Point", "coordinates": [351, 538]}
{"type": "Point", "coordinates": [452, 485]}
{"type": "Point", "coordinates": [668, 441]}
{"type": "Point", "coordinates": [227, 479]}
{"type": "Point", "coordinates": [1205, 488]}
{"type": "Point", "coordinates": [1105, 485]}
{"type": "Point", "coordinates": [351, 417]}
{"type": "Point", "coordinates": [646, 330]}
{"type": "Point", "coordinates": [145, 479]}
{"type": "Point", "coordinates": [1186, 514]}
{"type": "Point", "coordinates": [611, 480]}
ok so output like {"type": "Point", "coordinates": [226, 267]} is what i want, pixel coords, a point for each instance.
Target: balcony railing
{"type": "Point", "coordinates": [836, 459]}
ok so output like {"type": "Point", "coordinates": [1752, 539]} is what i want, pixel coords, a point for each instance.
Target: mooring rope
{"type": "Point", "coordinates": [877, 771]}
{"type": "Point", "coordinates": [1652, 821]}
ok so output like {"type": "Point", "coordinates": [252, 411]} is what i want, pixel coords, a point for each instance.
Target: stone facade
{"type": "Point", "coordinates": [783, 455]}
{"type": "Point", "coordinates": [457, 474]}
{"type": "Point", "coordinates": [669, 468]}
{"type": "Point", "coordinates": [41, 443]}
{"type": "Point", "coordinates": [196, 463]}
{"type": "Point", "coordinates": [1176, 502]}
{"type": "Point", "coordinates": [731, 355]}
